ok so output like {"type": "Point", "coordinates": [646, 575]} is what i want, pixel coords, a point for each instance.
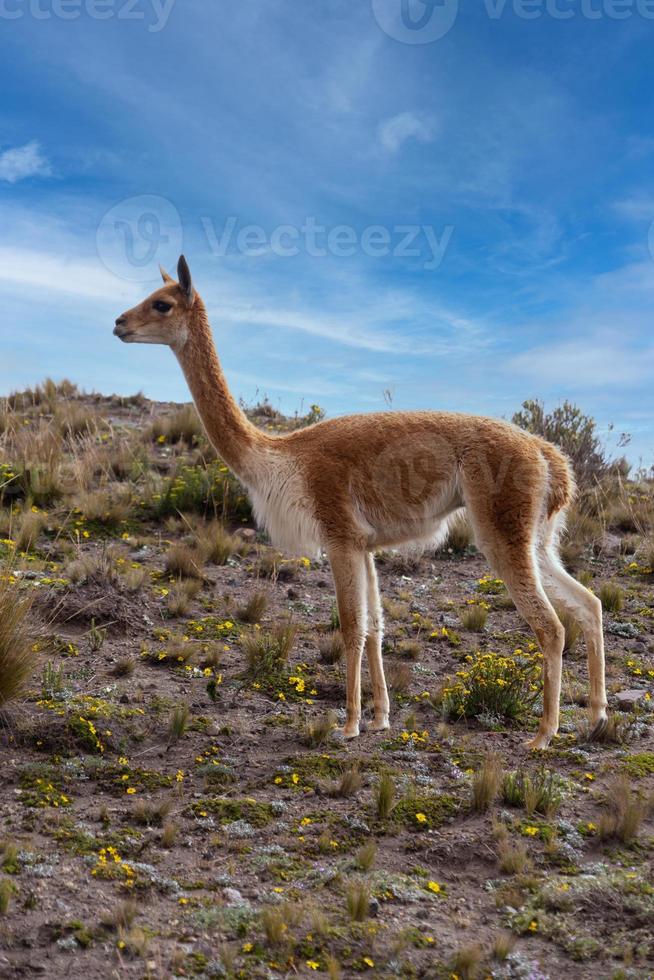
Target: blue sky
{"type": "Point", "coordinates": [487, 198]}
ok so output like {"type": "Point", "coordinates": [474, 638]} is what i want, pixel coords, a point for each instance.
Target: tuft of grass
{"type": "Point", "coordinates": [331, 647]}
{"type": "Point", "coordinates": [183, 425]}
{"type": "Point", "coordinates": [317, 731]}
{"type": "Point", "coordinates": [124, 667]}
{"type": "Point", "coordinates": [474, 617]}
{"type": "Point", "coordinates": [151, 813]}
{"type": "Point", "coordinates": [181, 595]}
{"type": "Point", "coordinates": [178, 723]}
{"type": "Point", "coordinates": [7, 890]}
{"type": "Point", "coordinates": [349, 783]}
{"type": "Point", "coordinates": [217, 544]}
{"type": "Point", "coordinates": [384, 798]}
{"type": "Point", "coordinates": [278, 922]}
{"type": "Point", "coordinates": [626, 811]}
{"type": "Point", "coordinates": [409, 649]}
{"type": "Point", "coordinates": [466, 962]}
{"type": "Point", "coordinates": [572, 630]}
{"type": "Point", "coordinates": [460, 536]}
{"type": "Point", "coordinates": [399, 678]}
{"type": "Point", "coordinates": [540, 793]}
{"type": "Point", "coordinates": [512, 857]}
{"type": "Point", "coordinates": [96, 636]}
{"type": "Point", "coordinates": [395, 609]}
{"type": "Point", "coordinates": [267, 652]}
{"type": "Point", "coordinates": [611, 596]}
{"type": "Point", "coordinates": [122, 916]}
{"type": "Point", "coordinates": [254, 609]}
{"type": "Point", "coordinates": [30, 527]}
{"type": "Point", "coordinates": [357, 899]}
{"type": "Point", "coordinates": [184, 562]}
{"type": "Point", "coordinates": [503, 945]}
{"type": "Point", "coordinates": [486, 783]}
{"type": "Point", "coordinates": [169, 833]}
{"type": "Point", "coordinates": [52, 680]}
{"type": "Point", "coordinates": [107, 507]}
{"type": "Point", "coordinates": [135, 578]}
{"type": "Point", "coordinates": [366, 856]}
{"type": "Point", "coordinates": [18, 654]}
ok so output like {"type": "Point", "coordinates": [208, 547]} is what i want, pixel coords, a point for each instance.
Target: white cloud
{"type": "Point", "coordinates": [81, 278]}
{"type": "Point", "coordinates": [21, 162]}
{"type": "Point", "coordinates": [584, 364]}
{"type": "Point", "coordinates": [398, 129]}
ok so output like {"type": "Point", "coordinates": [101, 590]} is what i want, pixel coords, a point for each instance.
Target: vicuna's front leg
{"type": "Point", "coordinates": [374, 648]}
{"type": "Point", "coordinates": [349, 571]}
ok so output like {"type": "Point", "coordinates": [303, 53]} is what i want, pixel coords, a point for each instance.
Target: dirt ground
{"type": "Point", "coordinates": [164, 812]}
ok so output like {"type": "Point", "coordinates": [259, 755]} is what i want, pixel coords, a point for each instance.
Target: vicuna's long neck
{"type": "Point", "coordinates": [233, 435]}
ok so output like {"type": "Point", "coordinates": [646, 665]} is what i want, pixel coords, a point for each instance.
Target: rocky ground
{"type": "Point", "coordinates": [173, 801]}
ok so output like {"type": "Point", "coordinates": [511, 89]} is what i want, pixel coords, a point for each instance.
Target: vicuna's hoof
{"type": "Point", "coordinates": [599, 730]}
{"type": "Point", "coordinates": [379, 725]}
{"type": "Point", "coordinates": [540, 742]}
{"type": "Point", "coordinates": [347, 733]}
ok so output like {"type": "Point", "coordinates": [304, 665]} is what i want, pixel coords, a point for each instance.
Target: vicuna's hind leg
{"type": "Point", "coordinates": [517, 568]}
{"type": "Point", "coordinates": [514, 561]}
{"type": "Point", "coordinates": [374, 648]}
{"type": "Point", "coordinates": [350, 578]}
{"type": "Point", "coordinates": [586, 608]}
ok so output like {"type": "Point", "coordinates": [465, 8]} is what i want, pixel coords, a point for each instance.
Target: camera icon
{"type": "Point", "coordinates": [135, 234]}
{"type": "Point", "coordinates": [415, 21]}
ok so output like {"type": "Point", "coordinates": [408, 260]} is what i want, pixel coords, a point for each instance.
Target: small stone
{"type": "Point", "coordinates": [247, 534]}
{"type": "Point", "coordinates": [233, 897]}
{"type": "Point", "coordinates": [629, 699]}
{"type": "Point", "coordinates": [373, 908]}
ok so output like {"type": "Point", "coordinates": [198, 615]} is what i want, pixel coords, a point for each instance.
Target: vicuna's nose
{"type": "Point", "coordinates": [121, 320]}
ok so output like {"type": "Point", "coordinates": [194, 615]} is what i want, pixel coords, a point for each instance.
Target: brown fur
{"type": "Point", "coordinates": [362, 482]}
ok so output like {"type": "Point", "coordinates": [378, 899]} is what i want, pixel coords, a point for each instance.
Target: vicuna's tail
{"type": "Point", "coordinates": [562, 488]}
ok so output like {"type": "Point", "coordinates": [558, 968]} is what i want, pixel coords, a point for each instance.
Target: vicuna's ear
{"type": "Point", "coordinates": [164, 275]}
{"type": "Point", "coordinates": [185, 281]}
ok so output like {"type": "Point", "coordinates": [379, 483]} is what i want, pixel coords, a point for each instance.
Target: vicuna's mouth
{"type": "Point", "coordinates": [124, 334]}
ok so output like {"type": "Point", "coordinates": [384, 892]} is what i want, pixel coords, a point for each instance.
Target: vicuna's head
{"type": "Point", "coordinates": [162, 318]}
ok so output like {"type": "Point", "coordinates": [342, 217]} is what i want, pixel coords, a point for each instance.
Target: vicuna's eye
{"type": "Point", "coordinates": [162, 307]}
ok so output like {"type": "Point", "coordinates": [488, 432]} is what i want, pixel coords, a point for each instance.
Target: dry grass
{"type": "Point", "coordinates": [611, 596]}
{"type": "Point", "coordinates": [267, 652]}
{"type": "Point", "coordinates": [512, 856]}
{"type": "Point", "coordinates": [626, 811]}
{"type": "Point", "coordinates": [183, 561]}
{"type": "Point", "coordinates": [317, 731]}
{"type": "Point", "coordinates": [460, 536]}
{"type": "Point", "coordinates": [409, 649]}
{"type": "Point", "coordinates": [181, 596]}
{"type": "Point", "coordinates": [366, 856]}
{"type": "Point", "coordinates": [183, 425]}
{"type": "Point", "coordinates": [217, 545]}
{"type": "Point", "coordinates": [18, 656]}
{"type": "Point", "coordinates": [474, 617]}
{"type": "Point", "coordinates": [357, 899]}
{"type": "Point", "coordinates": [349, 784]}
{"type": "Point", "coordinates": [30, 526]}
{"type": "Point", "coordinates": [331, 647]}
{"type": "Point", "coordinates": [254, 609]}
{"type": "Point", "coordinates": [384, 797]}
{"type": "Point", "coordinates": [572, 629]}
{"type": "Point", "coordinates": [486, 783]}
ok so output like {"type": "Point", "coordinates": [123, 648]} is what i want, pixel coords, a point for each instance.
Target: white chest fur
{"type": "Point", "coordinates": [282, 506]}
